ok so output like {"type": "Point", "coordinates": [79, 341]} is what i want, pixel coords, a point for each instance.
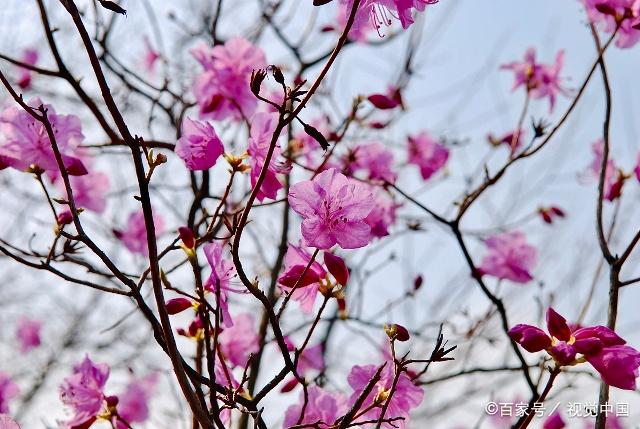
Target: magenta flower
{"type": "Point", "coordinates": [240, 340]}
{"type": "Point", "coordinates": [540, 80]}
{"type": "Point", "coordinates": [29, 57]}
{"type": "Point", "coordinates": [375, 159]}
{"type": "Point", "coordinates": [429, 155]}
{"type": "Point", "coordinates": [89, 191]}
{"type": "Point", "coordinates": [28, 334]}
{"type": "Point", "coordinates": [509, 257]}
{"type": "Point", "coordinates": [383, 214]}
{"type": "Point", "coordinates": [199, 147]}
{"type": "Point", "coordinates": [6, 422]}
{"type": "Point", "coordinates": [263, 126]}
{"type": "Point", "coordinates": [608, 12]}
{"type": "Point", "coordinates": [322, 408]}
{"type": "Point", "coordinates": [135, 236]}
{"type": "Point", "coordinates": [554, 421]}
{"type": "Point", "coordinates": [295, 261]}
{"type": "Point", "coordinates": [310, 359]}
{"type": "Point", "coordinates": [222, 271]}
{"type": "Point", "coordinates": [406, 396]}
{"type": "Point", "coordinates": [616, 362]}
{"type": "Point", "coordinates": [222, 90]}
{"type": "Point", "coordinates": [8, 391]}
{"type": "Point", "coordinates": [27, 143]}
{"type": "Point", "coordinates": [333, 208]}
{"type": "Point", "coordinates": [380, 12]}
{"type": "Point", "coordinates": [83, 392]}
{"type": "Point", "coordinates": [133, 404]}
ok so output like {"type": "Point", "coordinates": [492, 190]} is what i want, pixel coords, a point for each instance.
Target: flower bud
{"type": "Point", "coordinates": [177, 305]}
{"type": "Point", "coordinates": [397, 332]}
{"type": "Point", "coordinates": [417, 282]}
{"type": "Point", "coordinates": [64, 218]}
{"type": "Point", "coordinates": [337, 268]}
{"type": "Point", "coordinates": [186, 235]}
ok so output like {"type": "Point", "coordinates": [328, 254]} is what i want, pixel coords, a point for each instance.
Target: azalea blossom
{"type": "Point", "coordinates": [83, 392]}
{"type": "Point", "coordinates": [295, 261]}
{"type": "Point", "coordinates": [322, 407]}
{"type": "Point", "coordinates": [240, 340]}
{"type": "Point", "coordinates": [429, 155]}
{"type": "Point", "coordinates": [135, 236]}
{"type": "Point", "coordinates": [222, 89]}
{"type": "Point", "coordinates": [616, 362]}
{"type": "Point", "coordinates": [89, 191]}
{"type": "Point", "coordinates": [199, 147]}
{"type": "Point", "coordinates": [539, 80]}
{"type": "Point", "coordinates": [263, 126]}
{"type": "Point", "coordinates": [610, 14]}
{"type": "Point", "coordinates": [6, 422]}
{"type": "Point", "coordinates": [133, 404]}
{"type": "Point", "coordinates": [614, 177]}
{"type": "Point", "coordinates": [9, 390]}
{"type": "Point", "coordinates": [405, 397]}
{"type": "Point", "coordinates": [380, 12]}
{"type": "Point", "coordinates": [509, 257]}
{"type": "Point", "coordinates": [333, 208]}
{"type": "Point", "coordinates": [30, 58]}
{"type": "Point", "coordinates": [383, 215]}
{"type": "Point", "coordinates": [27, 143]}
{"type": "Point", "coordinates": [373, 158]}
{"type": "Point", "coordinates": [222, 271]}
{"type": "Point", "coordinates": [310, 359]}
{"type": "Point", "coordinates": [28, 334]}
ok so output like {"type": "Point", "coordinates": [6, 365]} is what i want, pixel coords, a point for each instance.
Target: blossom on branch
{"type": "Point", "coordinates": [509, 257]}
{"type": "Point", "coordinates": [83, 392]}
{"type": "Point", "coordinates": [199, 147]}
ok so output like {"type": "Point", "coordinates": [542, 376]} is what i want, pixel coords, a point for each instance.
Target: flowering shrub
{"type": "Point", "coordinates": [175, 175]}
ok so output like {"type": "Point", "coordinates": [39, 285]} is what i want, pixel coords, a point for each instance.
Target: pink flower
{"type": "Point", "coordinates": [83, 391]}
{"type": "Point", "coordinates": [607, 12]}
{"type": "Point", "coordinates": [310, 359]}
{"type": "Point", "coordinates": [28, 334]}
{"type": "Point", "coordinates": [133, 404]}
{"type": "Point", "coordinates": [29, 57]}
{"type": "Point", "coordinates": [7, 422]}
{"type": "Point", "coordinates": [150, 57]}
{"type": "Point", "coordinates": [222, 271]}
{"type": "Point", "coordinates": [27, 142]}
{"type": "Point", "coordinates": [263, 126]}
{"type": "Point", "coordinates": [322, 407]}
{"type": "Point", "coordinates": [222, 90]}
{"type": "Point", "coordinates": [509, 257]}
{"type": "Point", "coordinates": [380, 12]}
{"type": "Point", "coordinates": [427, 154]}
{"type": "Point", "coordinates": [383, 214]}
{"type": "Point", "coordinates": [616, 362]}
{"type": "Point", "coordinates": [199, 147]}
{"type": "Point", "coordinates": [240, 340]}
{"type": "Point", "coordinates": [8, 391]}
{"type": "Point", "coordinates": [135, 236]}
{"type": "Point", "coordinates": [406, 396]}
{"type": "Point", "coordinates": [295, 261]}
{"type": "Point", "coordinates": [358, 32]}
{"type": "Point", "coordinates": [89, 191]}
{"type": "Point", "coordinates": [375, 159]}
{"type": "Point", "coordinates": [540, 80]}
{"type": "Point", "coordinates": [333, 208]}
{"type": "Point", "coordinates": [614, 178]}
{"type": "Point", "coordinates": [554, 421]}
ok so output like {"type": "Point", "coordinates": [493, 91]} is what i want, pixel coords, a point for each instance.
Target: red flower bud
{"type": "Point", "coordinates": [417, 282]}
{"type": "Point", "coordinates": [64, 218]}
{"type": "Point", "coordinates": [292, 276]}
{"type": "Point", "coordinates": [397, 332]}
{"type": "Point", "coordinates": [186, 235]}
{"type": "Point", "coordinates": [558, 211]}
{"type": "Point", "coordinates": [337, 268]}
{"type": "Point", "coordinates": [112, 401]}
{"type": "Point", "coordinates": [289, 385]}
{"type": "Point", "coordinates": [177, 305]}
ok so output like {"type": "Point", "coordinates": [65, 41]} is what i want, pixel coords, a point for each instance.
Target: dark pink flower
{"type": "Point", "coordinates": [554, 421]}
{"type": "Point", "coordinates": [337, 267]}
{"type": "Point", "coordinates": [380, 12]}
{"type": "Point", "coordinates": [135, 236]}
{"type": "Point", "coordinates": [199, 147]}
{"type": "Point", "coordinates": [83, 391]}
{"type": "Point", "coordinates": [29, 57]}
{"type": "Point", "coordinates": [27, 143]}
{"type": "Point", "coordinates": [263, 126]}
{"type": "Point", "coordinates": [8, 391]}
{"type": "Point", "coordinates": [539, 80]}
{"type": "Point", "coordinates": [240, 340]}
{"type": "Point", "coordinates": [429, 155]}
{"type": "Point", "coordinates": [383, 215]}
{"type": "Point", "coordinates": [509, 257]}
{"type": "Point", "coordinates": [333, 208]}
{"type": "Point", "coordinates": [406, 397]}
{"type": "Point", "coordinates": [133, 404]}
{"type": "Point", "coordinates": [611, 13]}
{"type": "Point", "coordinates": [295, 261]}
{"type": "Point", "coordinates": [219, 281]}
{"type": "Point", "coordinates": [616, 362]}
{"type": "Point", "coordinates": [222, 90]}
{"type": "Point", "coordinates": [322, 407]}
{"type": "Point", "coordinates": [28, 334]}
{"type": "Point", "coordinates": [373, 158]}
